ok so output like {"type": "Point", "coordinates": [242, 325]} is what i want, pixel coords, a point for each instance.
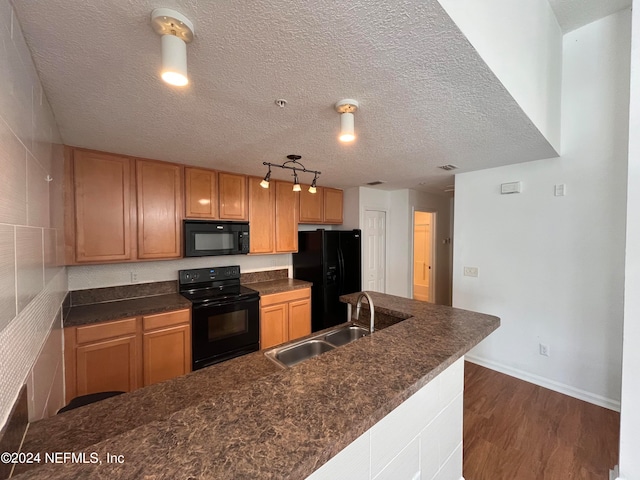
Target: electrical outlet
{"type": "Point", "coordinates": [470, 271]}
{"type": "Point", "coordinates": [544, 350]}
{"type": "Point", "coordinates": [134, 277]}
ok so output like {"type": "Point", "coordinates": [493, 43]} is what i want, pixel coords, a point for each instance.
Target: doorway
{"type": "Point", "coordinates": [374, 250]}
{"type": "Point", "coordinates": [423, 258]}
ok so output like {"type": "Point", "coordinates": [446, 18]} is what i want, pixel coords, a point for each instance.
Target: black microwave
{"type": "Point", "coordinates": [203, 238]}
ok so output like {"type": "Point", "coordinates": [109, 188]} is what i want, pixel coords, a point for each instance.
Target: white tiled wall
{"type": "Point", "coordinates": [420, 439]}
{"type": "Point", "coordinates": [32, 279]}
{"type": "Point", "coordinates": [97, 276]}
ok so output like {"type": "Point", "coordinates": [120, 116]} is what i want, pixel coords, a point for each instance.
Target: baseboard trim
{"type": "Point", "coordinates": [546, 383]}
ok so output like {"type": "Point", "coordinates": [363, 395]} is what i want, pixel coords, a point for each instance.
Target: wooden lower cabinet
{"type": "Point", "coordinates": [284, 317]}
{"type": "Point", "coordinates": [299, 318]}
{"type": "Point", "coordinates": [106, 366]}
{"type": "Point", "coordinates": [274, 325]}
{"type": "Point", "coordinates": [166, 346]}
{"type": "Point", "coordinates": [126, 354]}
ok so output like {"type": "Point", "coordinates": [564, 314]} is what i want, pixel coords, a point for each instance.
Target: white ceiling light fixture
{"type": "Point", "coordinates": [176, 31]}
{"type": "Point", "coordinates": [346, 108]}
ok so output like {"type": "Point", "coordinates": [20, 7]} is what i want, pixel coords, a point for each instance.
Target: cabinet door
{"type": "Point", "coordinates": [107, 365]}
{"type": "Point", "coordinates": [311, 205]}
{"type": "Point", "coordinates": [103, 190]}
{"type": "Point", "coordinates": [233, 196]}
{"type": "Point", "coordinates": [159, 209]}
{"type": "Point", "coordinates": [299, 318]}
{"type": "Point", "coordinates": [286, 217]}
{"type": "Point", "coordinates": [261, 217]}
{"type": "Point", "coordinates": [332, 205]}
{"type": "Point", "coordinates": [166, 353]}
{"type": "Point", "coordinates": [273, 325]}
{"type": "Point", "coordinates": [201, 193]}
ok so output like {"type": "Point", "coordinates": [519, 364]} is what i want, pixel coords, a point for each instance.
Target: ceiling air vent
{"type": "Point", "coordinates": [377, 182]}
{"type": "Point", "coordinates": [448, 167]}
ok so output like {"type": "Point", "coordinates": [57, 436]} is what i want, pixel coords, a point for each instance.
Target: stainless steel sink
{"type": "Point", "coordinates": [345, 335]}
{"type": "Point", "coordinates": [292, 354]}
{"type": "Point", "coordinates": [302, 351]}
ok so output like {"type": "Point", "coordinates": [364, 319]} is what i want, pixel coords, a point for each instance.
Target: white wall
{"type": "Point", "coordinates": [351, 208]}
{"type": "Point", "coordinates": [553, 267]}
{"type": "Point", "coordinates": [399, 242]}
{"type": "Point", "coordinates": [522, 43]}
{"type": "Point", "coordinates": [630, 414]}
{"type": "Point", "coordinates": [97, 276]}
{"type": "Point", "coordinates": [32, 280]}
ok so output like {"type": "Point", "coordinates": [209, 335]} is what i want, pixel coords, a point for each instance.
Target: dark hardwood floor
{"type": "Point", "coordinates": [514, 430]}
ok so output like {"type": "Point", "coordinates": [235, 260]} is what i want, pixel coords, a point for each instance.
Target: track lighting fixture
{"type": "Point", "coordinates": [346, 109]}
{"type": "Point", "coordinates": [296, 166]}
{"type": "Point", "coordinates": [296, 183]}
{"type": "Point", "coordinates": [265, 182]}
{"type": "Point", "coordinates": [312, 188]}
{"type": "Point", "coordinates": [176, 31]}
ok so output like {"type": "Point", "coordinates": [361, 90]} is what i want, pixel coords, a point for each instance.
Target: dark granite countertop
{"type": "Point", "coordinates": [109, 307]}
{"type": "Point", "coordinates": [278, 286]}
{"type": "Point", "coordinates": [131, 307]}
{"type": "Point", "coordinates": [270, 423]}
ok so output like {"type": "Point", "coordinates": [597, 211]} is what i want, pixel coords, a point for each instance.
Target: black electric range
{"type": "Point", "coordinates": [225, 318]}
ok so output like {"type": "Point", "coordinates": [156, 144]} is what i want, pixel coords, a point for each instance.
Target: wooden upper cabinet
{"type": "Point", "coordinates": [286, 224]}
{"type": "Point", "coordinates": [332, 205]}
{"type": "Point", "coordinates": [261, 217]}
{"type": "Point", "coordinates": [201, 193]}
{"type": "Point", "coordinates": [311, 205]}
{"type": "Point", "coordinates": [102, 200]}
{"type": "Point", "coordinates": [233, 196]}
{"type": "Point", "coordinates": [159, 195]}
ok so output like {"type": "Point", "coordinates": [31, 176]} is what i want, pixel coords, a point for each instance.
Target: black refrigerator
{"type": "Point", "coordinates": [331, 260]}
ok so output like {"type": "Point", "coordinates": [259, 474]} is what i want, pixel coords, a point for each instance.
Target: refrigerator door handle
{"type": "Point", "coordinates": [341, 272]}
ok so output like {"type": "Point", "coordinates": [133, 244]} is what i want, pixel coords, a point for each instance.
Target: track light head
{"type": "Point", "coordinates": [265, 182]}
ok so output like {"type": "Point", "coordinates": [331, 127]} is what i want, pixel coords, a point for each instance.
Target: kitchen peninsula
{"type": "Point", "coordinates": [246, 418]}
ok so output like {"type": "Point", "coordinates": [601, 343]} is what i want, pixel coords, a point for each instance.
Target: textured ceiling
{"type": "Point", "coordinates": [426, 97]}
{"type": "Point", "coordinates": [572, 14]}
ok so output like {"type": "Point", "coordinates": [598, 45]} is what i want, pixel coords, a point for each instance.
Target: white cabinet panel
{"type": "Point", "coordinates": [391, 434]}
{"type": "Point", "coordinates": [352, 463]}
{"type": "Point", "coordinates": [405, 466]}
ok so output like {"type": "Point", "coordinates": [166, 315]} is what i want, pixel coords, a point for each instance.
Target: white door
{"type": "Point", "coordinates": [423, 256]}
{"type": "Point", "coordinates": [374, 250]}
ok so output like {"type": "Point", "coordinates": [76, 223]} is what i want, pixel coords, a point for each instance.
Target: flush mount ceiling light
{"type": "Point", "coordinates": [176, 31]}
{"type": "Point", "coordinates": [346, 108]}
{"type": "Point", "coordinates": [296, 166]}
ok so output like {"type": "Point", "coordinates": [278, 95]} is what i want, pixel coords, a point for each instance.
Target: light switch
{"type": "Point", "coordinates": [560, 190]}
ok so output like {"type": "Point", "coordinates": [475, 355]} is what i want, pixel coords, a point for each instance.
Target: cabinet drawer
{"type": "Point", "coordinates": [160, 320]}
{"type": "Point", "coordinates": [274, 298]}
{"type": "Point", "coordinates": [102, 331]}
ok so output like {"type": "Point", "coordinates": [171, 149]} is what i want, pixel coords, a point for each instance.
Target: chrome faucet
{"type": "Point", "coordinates": [359, 306]}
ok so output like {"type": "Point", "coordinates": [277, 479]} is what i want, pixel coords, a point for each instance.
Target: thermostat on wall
{"type": "Point", "coordinates": [513, 187]}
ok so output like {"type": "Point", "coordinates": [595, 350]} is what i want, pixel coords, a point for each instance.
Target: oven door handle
{"type": "Point", "coordinates": [220, 303]}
